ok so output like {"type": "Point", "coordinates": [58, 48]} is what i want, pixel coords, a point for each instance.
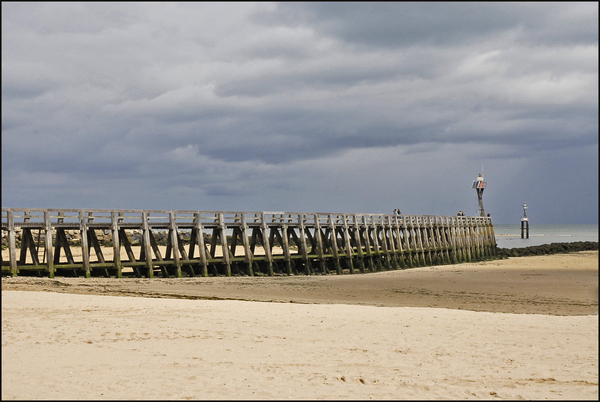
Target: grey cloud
{"type": "Point", "coordinates": [216, 106]}
{"type": "Point", "coordinates": [393, 24]}
{"type": "Point", "coordinates": [54, 18]}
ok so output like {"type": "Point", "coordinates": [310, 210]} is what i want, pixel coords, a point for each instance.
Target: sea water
{"type": "Point", "coordinates": [509, 236]}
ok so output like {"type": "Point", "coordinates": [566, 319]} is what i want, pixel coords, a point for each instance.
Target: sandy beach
{"type": "Point", "coordinates": [521, 328]}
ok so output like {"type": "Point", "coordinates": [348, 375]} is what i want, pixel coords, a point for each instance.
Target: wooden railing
{"type": "Point", "coordinates": [100, 242]}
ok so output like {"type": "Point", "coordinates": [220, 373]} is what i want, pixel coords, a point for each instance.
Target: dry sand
{"type": "Point", "coordinates": [57, 344]}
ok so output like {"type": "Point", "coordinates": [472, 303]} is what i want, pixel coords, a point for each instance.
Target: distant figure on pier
{"type": "Point", "coordinates": [489, 215]}
{"type": "Point", "coordinates": [394, 211]}
{"type": "Point", "coordinates": [399, 213]}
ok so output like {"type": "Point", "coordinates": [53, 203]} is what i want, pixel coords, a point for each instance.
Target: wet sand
{"type": "Point", "coordinates": [559, 284]}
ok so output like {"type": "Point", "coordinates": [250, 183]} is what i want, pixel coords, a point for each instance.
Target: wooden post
{"type": "Point", "coordinates": [175, 243]}
{"type": "Point", "coordinates": [493, 238]}
{"type": "Point", "coordinates": [367, 241]}
{"type": "Point", "coordinates": [146, 228]}
{"type": "Point", "coordinates": [12, 244]}
{"type": "Point", "coordinates": [392, 241]}
{"type": "Point", "coordinates": [265, 242]}
{"type": "Point", "coordinates": [302, 233]}
{"type": "Point", "coordinates": [247, 251]}
{"type": "Point", "coordinates": [427, 241]}
{"type": "Point", "coordinates": [357, 240]}
{"type": "Point", "coordinates": [456, 239]}
{"type": "Point", "coordinates": [319, 240]}
{"type": "Point", "coordinates": [442, 233]}
{"type": "Point", "coordinates": [224, 247]}
{"type": "Point", "coordinates": [286, 249]}
{"type": "Point", "coordinates": [372, 230]}
{"type": "Point", "coordinates": [399, 247]}
{"type": "Point", "coordinates": [334, 248]}
{"type": "Point", "coordinates": [85, 250]}
{"type": "Point", "coordinates": [467, 239]}
{"type": "Point", "coordinates": [384, 240]}
{"type": "Point", "coordinates": [348, 245]}
{"type": "Point", "coordinates": [416, 242]}
{"type": "Point", "coordinates": [420, 243]}
{"type": "Point", "coordinates": [116, 244]}
{"type": "Point", "coordinates": [408, 257]}
{"type": "Point", "coordinates": [48, 246]}
{"type": "Point", "coordinates": [200, 242]}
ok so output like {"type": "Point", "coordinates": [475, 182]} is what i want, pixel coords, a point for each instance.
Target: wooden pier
{"type": "Point", "coordinates": [148, 243]}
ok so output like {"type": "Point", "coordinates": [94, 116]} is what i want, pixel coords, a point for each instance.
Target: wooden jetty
{"type": "Point", "coordinates": [117, 243]}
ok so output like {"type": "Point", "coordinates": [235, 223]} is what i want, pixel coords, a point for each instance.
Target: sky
{"type": "Point", "coordinates": [303, 107]}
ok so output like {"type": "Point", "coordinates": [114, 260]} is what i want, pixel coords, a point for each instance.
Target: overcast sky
{"type": "Point", "coordinates": [309, 107]}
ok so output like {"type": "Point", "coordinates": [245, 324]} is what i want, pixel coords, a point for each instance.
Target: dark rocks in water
{"type": "Point", "coordinates": [552, 248]}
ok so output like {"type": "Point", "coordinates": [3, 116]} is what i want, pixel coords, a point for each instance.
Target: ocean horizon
{"type": "Point", "coordinates": [509, 236]}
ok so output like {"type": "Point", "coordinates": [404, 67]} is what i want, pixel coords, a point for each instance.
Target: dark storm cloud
{"type": "Point", "coordinates": [256, 105]}
{"type": "Point", "coordinates": [440, 24]}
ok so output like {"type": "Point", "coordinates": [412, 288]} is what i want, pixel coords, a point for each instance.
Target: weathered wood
{"type": "Point", "coordinates": [318, 236]}
{"type": "Point", "coordinates": [349, 259]}
{"type": "Point", "coordinates": [123, 239]}
{"type": "Point", "coordinates": [224, 248]}
{"type": "Point", "coordinates": [265, 242]}
{"type": "Point", "coordinates": [12, 244]}
{"type": "Point", "coordinates": [174, 242]}
{"type": "Point", "coordinates": [48, 246]}
{"type": "Point", "coordinates": [303, 250]}
{"type": "Point", "coordinates": [148, 246]}
{"type": "Point", "coordinates": [116, 245]}
{"type": "Point", "coordinates": [333, 245]}
{"type": "Point", "coordinates": [286, 249]}
{"type": "Point", "coordinates": [201, 245]}
{"type": "Point", "coordinates": [374, 240]}
{"type": "Point", "coordinates": [340, 242]}
{"type": "Point", "coordinates": [85, 251]}
{"type": "Point", "coordinates": [246, 244]}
